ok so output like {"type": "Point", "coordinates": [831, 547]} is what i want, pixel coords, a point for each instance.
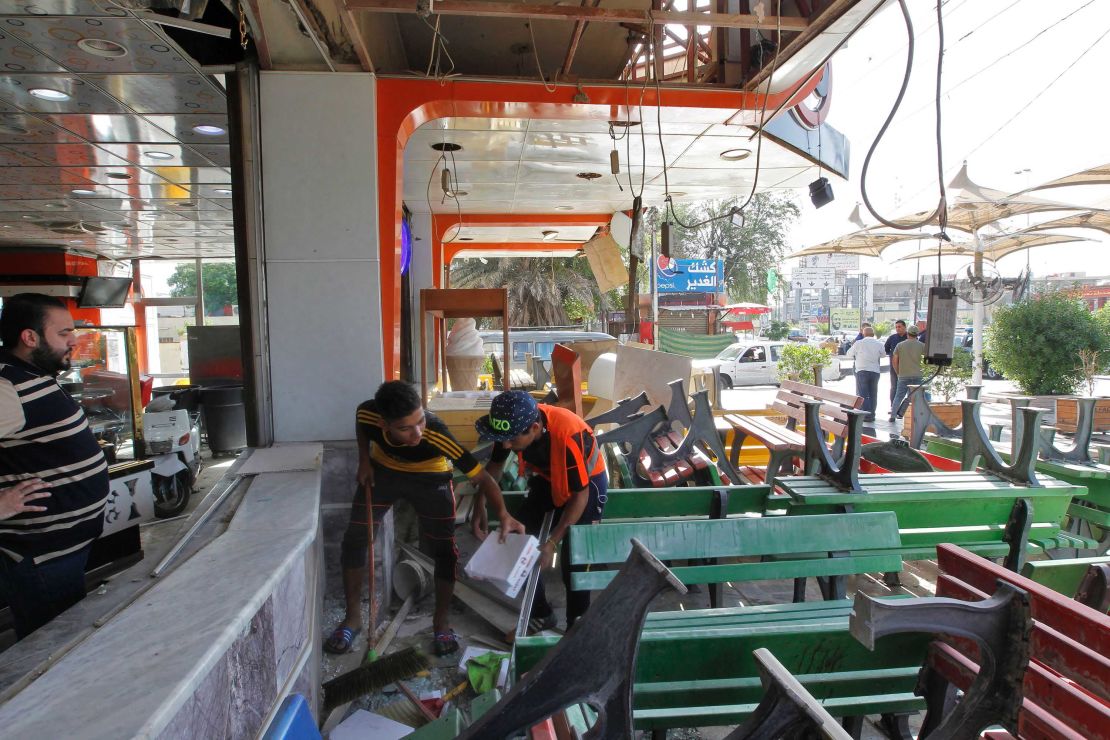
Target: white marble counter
{"type": "Point", "coordinates": [230, 626]}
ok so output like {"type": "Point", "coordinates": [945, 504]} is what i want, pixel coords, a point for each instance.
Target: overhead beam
{"type": "Point", "coordinates": [483, 8]}
{"type": "Point", "coordinates": [575, 37]}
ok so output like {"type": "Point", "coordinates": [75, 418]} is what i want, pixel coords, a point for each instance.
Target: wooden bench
{"type": "Point", "coordinates": [785, 442]}
{"type": "Point", "coordinates": [697, 502]}
{"type": "Point", "coordinates": [1049, 673]}
{"type": "Point", "coordinates": [982, 512]}
{"type": "Point", "coordinates": [1087, 580]}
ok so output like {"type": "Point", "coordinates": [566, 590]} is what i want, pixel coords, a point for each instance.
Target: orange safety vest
{"type": "Point", "coordinates": [562, 425]}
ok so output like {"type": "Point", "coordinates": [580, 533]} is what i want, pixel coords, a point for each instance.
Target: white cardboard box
{"type": "Point", "coordinates": [505, 565]}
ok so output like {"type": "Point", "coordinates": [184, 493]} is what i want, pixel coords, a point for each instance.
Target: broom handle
{"type": "Point", "coordinates": [369, 489]}
{"type": "Point", "coordinates": [391, 630]}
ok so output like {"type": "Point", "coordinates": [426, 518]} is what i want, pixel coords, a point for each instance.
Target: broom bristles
{"type": "Point", "coordinates": [373, 676]}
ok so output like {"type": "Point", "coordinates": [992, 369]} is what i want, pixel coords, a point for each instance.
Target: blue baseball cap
{"type": "Point", "coordinates": [510, 415]}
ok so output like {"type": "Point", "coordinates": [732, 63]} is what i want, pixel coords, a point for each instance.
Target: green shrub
{"type": "Point", "coordinates": [1036, 343]}
{"type": "Point", "coordinates": [798, 360]}
{"type": "Point", "coordinates": [778, 330]}
{"type": "Point", "coordinates": [882, 328]}
{"type": "Point", "coordinates": [953, 379]}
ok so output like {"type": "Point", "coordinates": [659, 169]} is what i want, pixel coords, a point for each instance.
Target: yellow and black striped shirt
{"type": "Point", "coordinates": [437, 452]}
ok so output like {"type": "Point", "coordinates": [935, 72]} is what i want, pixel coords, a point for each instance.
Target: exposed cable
{"type": "Point", "coordinates": [941, 211]}
{"type": "Point", "coordinates": [437, 52]}
{"type": "Point", "coordinates": [536, 54]}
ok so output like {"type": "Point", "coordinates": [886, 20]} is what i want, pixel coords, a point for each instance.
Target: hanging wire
{"type": "Point", "coordinates": [941, 211]}
{"type": "Point", "coordinates": [539, 68]}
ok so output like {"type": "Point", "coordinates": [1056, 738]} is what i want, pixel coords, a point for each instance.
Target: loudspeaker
{"type": "Point", "coordinates": [820, 192]}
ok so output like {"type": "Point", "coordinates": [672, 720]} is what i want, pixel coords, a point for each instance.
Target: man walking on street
{"type": "Point", "coordinates": [893, 341]}
{"type": "Point", "coordinates": [47, 454]}
{"type": "Point", "coordinates": [907, 363]}
{"type": "Point", "coordinates": [569, 478]}
{"type": "Point", "coordinates": [866, 352]}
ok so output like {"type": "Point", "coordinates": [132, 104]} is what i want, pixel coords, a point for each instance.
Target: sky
{"type": "Point", "coordinates": [1024, 102]}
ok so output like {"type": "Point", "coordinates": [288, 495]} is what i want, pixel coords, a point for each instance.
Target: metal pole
{"type": "Point", "coordinates": [654, 287]}
{"type": "Point", "coordinates": [200, 294]}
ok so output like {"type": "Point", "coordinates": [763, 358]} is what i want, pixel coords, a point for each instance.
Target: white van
{"type": "Point", "coordinates": [757, 363]}
{"type": "Point", "coordinates": [535, 342]}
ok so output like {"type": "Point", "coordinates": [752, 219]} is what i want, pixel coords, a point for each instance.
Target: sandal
{"type": "Point", "coordinates": [341, 640]}
{"type": "Point", "coordinates": [446, 643]}
{"type": "Point", "coordinates": [540, 624]}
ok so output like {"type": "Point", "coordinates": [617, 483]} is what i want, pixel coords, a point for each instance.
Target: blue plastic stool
{"type": "Point", "coordinates": [293, 721]}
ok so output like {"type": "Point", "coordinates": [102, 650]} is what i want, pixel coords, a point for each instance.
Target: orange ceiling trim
{"type": "Point", "coordinates": [451, 250]}
{"type": "Point", "coordinates": [442, 256]}
{"type": "Point", "coordinates": [405, 104]}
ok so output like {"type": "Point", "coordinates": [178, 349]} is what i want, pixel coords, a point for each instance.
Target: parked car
{"type": "Point", "coordinates": [757, 363]}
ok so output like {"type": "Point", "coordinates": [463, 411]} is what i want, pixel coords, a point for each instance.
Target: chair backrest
{"type": "Point", "coordinates": [792, 547]}
{"type": "Point", "coordinates": [791, 398]}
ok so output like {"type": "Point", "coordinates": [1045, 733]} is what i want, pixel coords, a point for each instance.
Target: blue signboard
{"type": "Point", "coordinates": [689, 276]}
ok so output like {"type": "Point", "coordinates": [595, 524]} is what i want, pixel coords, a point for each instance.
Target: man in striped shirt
{"type": "Point", "coordinates": [45, 443]}
{"type": "Point", "coordinates": [406, 452]}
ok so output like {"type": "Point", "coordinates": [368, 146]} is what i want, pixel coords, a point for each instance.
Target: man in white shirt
{"type": "Point", "coordinates": [866, 352]}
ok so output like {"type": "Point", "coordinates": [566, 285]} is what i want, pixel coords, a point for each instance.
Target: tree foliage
{"type": "Point", "coordinates": [778, 330]}
{"type": "Point", "coordinates": [748, 251]}
{"type": "Point", "coordinates": [1036, 343]}
{"type": "Point", "coordinates": [953, 378]}
{"type": "Point", "coordinates": [220, 288]}
{"type": "Point", "coordinates": [542, 291]}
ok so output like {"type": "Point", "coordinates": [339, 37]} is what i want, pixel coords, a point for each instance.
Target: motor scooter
{"type": "Point", "coordinates": [172, 441]}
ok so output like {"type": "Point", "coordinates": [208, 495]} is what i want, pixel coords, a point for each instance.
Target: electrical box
{"type": "Point", "coordinates": [941, 329]}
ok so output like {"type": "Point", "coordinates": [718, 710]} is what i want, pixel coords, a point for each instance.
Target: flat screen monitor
{"type": "Point", "coordinates": [104, 292]}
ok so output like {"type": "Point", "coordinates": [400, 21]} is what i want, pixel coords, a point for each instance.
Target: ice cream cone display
{"type": "Point", "coordinates": [464, 355]}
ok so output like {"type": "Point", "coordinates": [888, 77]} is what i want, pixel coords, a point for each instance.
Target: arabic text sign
{"type": "Point", "coordinates": [835, 261]}
{"type": "Point", "coordinates": [844, 319]}
{"type": "Point", "coordinates": [813, 277]}
{"type": "Point", "coordinates": [690, 276]}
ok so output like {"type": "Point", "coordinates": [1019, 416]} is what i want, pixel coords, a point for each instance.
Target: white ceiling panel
{"type": "Point", "coordinates": [481, 145]}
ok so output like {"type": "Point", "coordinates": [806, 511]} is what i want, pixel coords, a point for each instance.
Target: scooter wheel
{"type": "Point", "coordinates": [171, 495]}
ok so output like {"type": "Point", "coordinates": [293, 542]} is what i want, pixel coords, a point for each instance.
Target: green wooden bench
{"type": "Point", "coordinates": [695, 668]}
{"type": "Point", "coordinates": [1087, 580]}
{"type": "Point", "coordinates": [698, 502]}
{"type": "Point", "coordinates": [980, 512]}
{"type": "Point", "coordinates": [1090, 509]}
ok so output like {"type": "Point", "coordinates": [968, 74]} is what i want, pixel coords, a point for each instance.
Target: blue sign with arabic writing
{"type": "Point", "coordinates": [689, 276]}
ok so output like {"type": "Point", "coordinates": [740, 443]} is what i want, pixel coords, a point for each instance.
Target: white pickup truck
{"type": "Point", "coordinates": [757, 362]}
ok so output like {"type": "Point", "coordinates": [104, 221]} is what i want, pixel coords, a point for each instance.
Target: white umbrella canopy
{"type": "Point", "coordinates": [972, 206]}
{"type": "Point", "coordinates": [1098, 220]}
{"type": "Point", "coordinates": [995, 248]}
{"type": "Point", "coordinates": [1095, 176]}
{"type": "Point", "coordinates": [862, 243]}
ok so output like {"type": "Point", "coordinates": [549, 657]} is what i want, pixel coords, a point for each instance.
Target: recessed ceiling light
{"type": "Point", "coordinates": [459, 193]}
{"type": "Point", "coordinates": [222, 191]}
{"type": "Point", "coordinates": [549, 235]}
{"type": "Point", "coordinates": [82, 191]}
{"type": "Point", "coordinates": [102, 48]}
{"type": "Point", "coordinates": [158, 155]}
{"type": "Point", "coordinates": [46, 93]}
{"type": "Point", "coordinates": [588, 175]}
{"type": "Point", "coordinates": [118, 175]}
{"type": "Point", "coordinates": [466, 238]}
{"type": "Point", "coordinates": [185, 204]}
{"type": "Point", "coordinates": [624, 124]}
{"type": "Point", "coordinates": [676, 193]}
{"type": "Point", "coordinates": [564, 208]}
{"type": "Point", "coordinates": [446, 146]}
{"type": "Point", "coordinates": [735, 155]}
{"type": "Point", "coordinates": [207, 129]}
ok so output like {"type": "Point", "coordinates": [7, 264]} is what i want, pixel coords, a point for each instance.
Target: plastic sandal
{"type": "Point", "coordinates": [341, 640]}
{"type": "Point", "coordinates": [446, 642]}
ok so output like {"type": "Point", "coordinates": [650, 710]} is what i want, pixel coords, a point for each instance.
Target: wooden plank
{"type": "Point", "coordinates": [596, 580]}
{"type": "Point", "coordinates": [594, 15]}
{"type": "Point", "coordinates": [610, 543]}
{"type": "Point", "coordinates": [824, 394]}
{"type": "Point", "coordinates": [1062, 576]}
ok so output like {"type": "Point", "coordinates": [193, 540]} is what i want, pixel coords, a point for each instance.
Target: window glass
{"type": "Point", "coordinates": [520, 349]}
{"type": "Point", "coordinates": [754, 354]}
{"type": "Point", "coordinates": [544, 350]}
{"type": "Point", "coordinates": [776, 352]}
{"type": "Point", "coordinates": [730, 353]}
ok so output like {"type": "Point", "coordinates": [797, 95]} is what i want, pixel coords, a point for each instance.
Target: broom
{"type": "Point", "coordinates": [373, 676]}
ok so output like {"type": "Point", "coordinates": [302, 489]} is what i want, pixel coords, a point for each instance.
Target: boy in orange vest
{"type": "Point", "coordinates": [568, 476]}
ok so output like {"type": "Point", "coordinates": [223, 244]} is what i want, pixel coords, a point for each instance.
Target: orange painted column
{"type": "Point", "coordinates": [404, 104]}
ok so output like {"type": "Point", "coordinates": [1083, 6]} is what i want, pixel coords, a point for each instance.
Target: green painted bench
{"type": "Point", "coordinates": [695, 668]}
{"type": "Point", "coordinates": [1089, 511]}
{"type": "Point", "coordinates": [980, 512]}
{"type": "Point", "coordinates": [827, 546]}
{"type": "Point", "coordinates": [1087, 580]}
{"type": "Point", "coordinates": [697, 502]}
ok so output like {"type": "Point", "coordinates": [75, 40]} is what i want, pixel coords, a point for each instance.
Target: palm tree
{"type": "Point", "coordinates": [539, 288]}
